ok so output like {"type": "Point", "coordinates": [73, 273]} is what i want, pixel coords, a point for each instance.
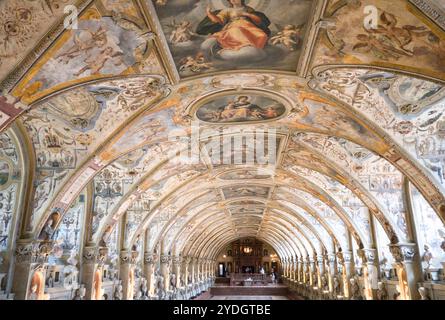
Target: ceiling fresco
{"type": "Point", "coordinates": [209, 36]}
{"type": "Point", "coordinates": [311, 132]}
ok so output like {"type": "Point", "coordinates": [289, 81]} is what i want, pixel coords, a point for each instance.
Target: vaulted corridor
{"type": "Point", "coordinates": [191, 149]}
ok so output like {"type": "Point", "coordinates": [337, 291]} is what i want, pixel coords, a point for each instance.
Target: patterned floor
{"type": "Point", "coordinates": [249, 298]}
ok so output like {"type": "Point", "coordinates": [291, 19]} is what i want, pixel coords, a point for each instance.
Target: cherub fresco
{"type": "Point", "coordinates": [83, 43]}
{"type": "Point", "coordinates": [95, 63]}
{"type": "Point", "coordinates": [406, 40]}
{"type": "Point", "coordinates": [194, 64]}
{"type": "Point", "coordinates": [182, 32]}
{"type": "Point", "coordinates": [289, 37]}
{"type": "Point", "coordinates": [388, 40]}
{"type": "Point", "coordinates": [99, 46]}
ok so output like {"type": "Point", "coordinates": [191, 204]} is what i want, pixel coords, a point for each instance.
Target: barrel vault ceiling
{"type": "Point", "coordinates": [355, 113]}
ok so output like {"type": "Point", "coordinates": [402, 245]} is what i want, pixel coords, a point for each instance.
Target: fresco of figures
{"type": "Point", "coordinates": [396, 39]}
{"type": "Point", "coordinates": [240, 108]}
{"type": "Point", "coordinates": [105, 43]}
{"type": "Point", "coordinates": [207, 36]}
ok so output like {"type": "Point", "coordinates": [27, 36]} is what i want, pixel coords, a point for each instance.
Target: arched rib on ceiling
{"type": "Point", "coordinates": [106, 157]}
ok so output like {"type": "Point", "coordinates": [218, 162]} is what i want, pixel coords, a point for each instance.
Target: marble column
{"type": "Point", "coordinates": [185, 271]}
{"type": "Point", "coordinates": [371, 274]}
{"type": "Point", "coordinates": [149, 269]}
{"type": "Point", "coordinates": [408, 269]}
{"type": "Point", "coordinates": [300, 269]}
{"type": "Point", "coordinates": [312, 270]}
{"type": "Point", "coordinates": [321, 270]}
{"type": "Point", "coordinates": [165, 271]}
{"type": "Point", "coordinates": [295, 268]}
{"type": "Point", "coordinates": [332, 260]}
{"type": "Point", "coordinates": [176, 263]}
{"type": "Point", "coordinates": [348, 272]}
{"type": "Point", "coordinates": [192, 268]}
{"type": "Point", "coordinates": [31, 258]}
{"type": "Point", "coordinates": [127, 266]}
{"type": "Point", "coordinates": [93, 259]}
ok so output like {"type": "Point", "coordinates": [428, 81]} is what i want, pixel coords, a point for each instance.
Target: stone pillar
{"type": "Point", "coordinates": [295, 268]}
{"type": "Point", "coordinates": [348, 272]}
{"type": "Point", "coordinates": [149, 269]}
{"type": "Point", "coordinates": [306, 273]}
{"type": "Point", "coordinates": [176, 262]}
{"type": "Point", "coordinates": [93, 259]}
{"type": "Point", "coordinates": [127, 266]}
{"type": "Point", "coordinates": [204, 269]}
{"type": "Point", "coordinates": [371, 273]}
{"type": "Point", "coordinates": [312, 271]}
{"type": "Point", "coordinates": [192, 267]}
{"type": "Point", "coordinates": [31, 259]}
{"type": "Point", "coordinates": [300, 270]}
{"type": "Point", "coordinates": [200, 269]}
{"type": "Point", "coordinates": [185, 270]}
{"type": "Point", "coordinates": [332, 271]}
{"type": "Point", "coordinates": [408, 270]}
{"type": "Point", "coordinates": [283, 262]}
{"type": "Point", "coordinates": [165, 271]}
{"type": "Point", "coordinates": [321, 270]}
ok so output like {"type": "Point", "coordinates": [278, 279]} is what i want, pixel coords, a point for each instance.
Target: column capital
{"type": "Point", "coordinates": [403, 252]}
{"type": "Point", "coordinates": [165, 258]}
{"type": "Point", "coordinates": [93, 255]}
{"type": "Point", "coordinates": [332, 257]}
{"type": "Point", "coordinates": [348, 256]}
{"type": "Point", "coordinates": [370, 255]}
{"type": "Point", "coordinates": [149, 258]}
{"type": "Point", "coordinates": [128, 256]}
{"type": "Point", "coordinates": [33, 251]}
{"type": "Point", "coordinates": [176, 260]}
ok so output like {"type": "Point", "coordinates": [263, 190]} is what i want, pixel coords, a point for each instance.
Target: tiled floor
{"type": "Point", "coordinates": [249, 298]}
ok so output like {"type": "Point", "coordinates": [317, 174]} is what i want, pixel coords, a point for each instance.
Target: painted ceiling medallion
{"type": "Point", "coordinates": [241, 108]}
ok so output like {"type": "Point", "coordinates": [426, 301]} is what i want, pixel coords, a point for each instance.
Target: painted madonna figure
{"type": "Point", "coordinates": [240, 32]}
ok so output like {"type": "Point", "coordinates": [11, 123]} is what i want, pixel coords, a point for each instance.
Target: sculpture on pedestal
{"type": "Point", "coordinates": [424, 294]}
{"type": "Point", "coordinates": [355, 290]}
{"type": "Point", "coordinates": [336, 286]}
{"type": "Point", "coordinates": [427, 257]}
{"type": "Point", "coordinates": [144, 289]}
{"type": "Point", "coordinates": [70, 271]}
{"type": "Point", "coordinates": [118, 295]}
{"type": "Point", "coordinates": [382, 293]}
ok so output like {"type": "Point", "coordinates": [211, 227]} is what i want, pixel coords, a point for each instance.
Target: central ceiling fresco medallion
{"type": "Point", "coordinates": [216, 35]}
{"type": "Point", "coordinates": [240, 108]}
